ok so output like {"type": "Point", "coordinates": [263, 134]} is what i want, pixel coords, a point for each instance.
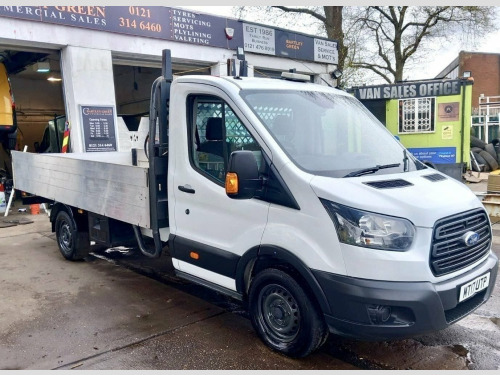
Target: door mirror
{"type": "Point", "coordinates": [242, 178]}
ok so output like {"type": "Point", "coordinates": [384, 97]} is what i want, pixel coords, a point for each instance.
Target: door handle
{"type": "Point", "coordinates": [186, 189]}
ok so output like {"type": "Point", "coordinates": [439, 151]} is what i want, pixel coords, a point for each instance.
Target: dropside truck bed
{"type": "Point", "coordinates": [104, 183]}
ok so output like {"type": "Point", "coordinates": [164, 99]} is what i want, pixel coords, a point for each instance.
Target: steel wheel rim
{"type": "Point", "coordinates": [65, 237]}
{"type": "Point", "coordinates": [279, 313]}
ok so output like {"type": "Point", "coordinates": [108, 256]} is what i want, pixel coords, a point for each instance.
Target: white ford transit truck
{"type": "Point", "coordinates": [287, 195]}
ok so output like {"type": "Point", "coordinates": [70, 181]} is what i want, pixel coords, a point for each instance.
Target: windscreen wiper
{"type": "Point", "coordinates": [371, 170]}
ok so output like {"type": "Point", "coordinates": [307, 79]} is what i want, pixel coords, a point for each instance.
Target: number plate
{"type": "Point", "coordinates": [474, 286]}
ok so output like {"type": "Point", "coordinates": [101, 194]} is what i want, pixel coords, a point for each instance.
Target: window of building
{"type": "Point", "coordinates": [417, 115]}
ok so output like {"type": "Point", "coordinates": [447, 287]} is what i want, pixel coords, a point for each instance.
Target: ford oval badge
{"type": "Point", "coordinates": [471, 238]}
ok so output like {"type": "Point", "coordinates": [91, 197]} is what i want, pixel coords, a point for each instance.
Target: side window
{"type": "Point", "coordinates": [216, 132]}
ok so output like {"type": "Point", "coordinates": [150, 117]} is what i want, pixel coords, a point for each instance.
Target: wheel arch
{"type": "Point", "coordinates": [81, 221]}
{"type": "Point", "coordinates": [269, 256]}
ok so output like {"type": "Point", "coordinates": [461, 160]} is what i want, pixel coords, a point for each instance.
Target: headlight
{"type": "Point", "coordinates": [367, 229]}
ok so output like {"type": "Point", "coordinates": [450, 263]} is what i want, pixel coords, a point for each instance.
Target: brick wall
{"type": "Point", "coordinates": [485, 69]}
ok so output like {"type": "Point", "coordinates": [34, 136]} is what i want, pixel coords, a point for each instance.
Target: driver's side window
{"type": "Point", "coordinates": [215, 132]}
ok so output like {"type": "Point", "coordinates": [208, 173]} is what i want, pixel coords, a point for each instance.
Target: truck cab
{"type": "Point", "coordinates": [289, 196]}
{"type": "Point", "coordinates": [382, 245]}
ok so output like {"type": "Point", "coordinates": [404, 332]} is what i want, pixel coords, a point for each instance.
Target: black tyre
{"type": "Point", "coordinates": [72, 244]}
{"type": "Point", "coordinates": [476, 142]}
{"type": "Point", "coordinates": [492, 162]}
{"type": "Point", "coordinates": [476, 149]}
{"type": "Point", "coordinates": [481, 160]}
{"type": "Point", "coordinates": [285, 318]}
{"type": "Point", "coordinates": [490, 149]}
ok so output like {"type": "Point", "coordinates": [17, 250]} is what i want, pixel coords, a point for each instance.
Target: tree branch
{"type": "Point", "coordinates": [389, 18]}
{"type": "Point", "coordinates": [372, 68]}
{"type": "Point", "coordinates": [303, 10]}
{"type": "Point", "coordinates": [431, 21]}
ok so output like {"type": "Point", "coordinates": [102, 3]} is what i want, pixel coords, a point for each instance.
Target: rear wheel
{"type": "Point", "coordinates": [72, 244]}
{"type": "Point", "coordinates": [283, 315]}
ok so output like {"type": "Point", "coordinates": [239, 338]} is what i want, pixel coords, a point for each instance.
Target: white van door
{"type": "Point", "coordinates": [212, 231]}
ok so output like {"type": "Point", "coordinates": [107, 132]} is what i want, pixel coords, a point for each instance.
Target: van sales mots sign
{"type": "Point", "coordinates": [408, 90]}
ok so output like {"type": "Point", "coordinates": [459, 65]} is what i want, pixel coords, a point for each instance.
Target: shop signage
{"type": "Point", "coordinates": [325, 51]}
{"type": "Point", "coordinates": [447, 132]}
{"type": "Point", "coordinates": [182, 26]}
{"type": "Point", "coordinates": [98, 128]}
{"type": "Point", "coordinates": [408, 90]}
{"type": "Point", "coordinates": [259, 39]}
{"type": "Point", "coordinates": [448, 111]}
{"type": "Point", "coordinates": [436, 155]}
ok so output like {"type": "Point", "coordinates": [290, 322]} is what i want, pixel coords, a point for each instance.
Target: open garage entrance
{"type": "Point", "coordinates": [133, 81]}
{"type": "Point", "coordinates": [36, 84]}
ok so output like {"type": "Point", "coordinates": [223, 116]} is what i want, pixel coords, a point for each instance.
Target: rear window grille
{"type": "Point", "coordinates": [389, 184]}
{"type": "Point", "coordinates": [435, 177]}
{"type": "Point", "coordinates": [449, 251]}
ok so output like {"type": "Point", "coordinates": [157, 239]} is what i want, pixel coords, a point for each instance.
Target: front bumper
{"type": "Point", "coordinates": [415, 307]}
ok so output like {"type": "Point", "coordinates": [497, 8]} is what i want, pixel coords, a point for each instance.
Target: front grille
{"type": "Point", "coordinates": [449, 252]}
{"type": "Point", "coordinates": [388, 184]}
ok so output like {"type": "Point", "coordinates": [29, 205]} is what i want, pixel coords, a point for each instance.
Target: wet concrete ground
{"type": "Point", "coordinates": [96, 314]}
{"type": "Point", "coordinates": [118, 310]}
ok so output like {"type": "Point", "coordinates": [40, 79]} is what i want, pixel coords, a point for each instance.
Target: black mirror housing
{"type": "Point", "coordinates": [244, 164]}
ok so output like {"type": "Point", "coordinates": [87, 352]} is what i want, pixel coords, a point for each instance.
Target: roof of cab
{"type": "Point", "coordinates": [252, 83]}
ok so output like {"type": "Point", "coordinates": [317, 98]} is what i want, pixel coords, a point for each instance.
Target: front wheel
{"type": "Point", "coordinates": [285, 318]}
{"type": "Point", "coordinates": [72, 244]}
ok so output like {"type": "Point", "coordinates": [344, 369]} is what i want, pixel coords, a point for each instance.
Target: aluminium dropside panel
{"type": "Point", "coordinates": [87, 181]}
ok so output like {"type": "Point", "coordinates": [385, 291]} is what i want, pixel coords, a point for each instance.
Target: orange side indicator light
{"type": "Point", "coordinates": [231, 183]}
{"type": "Point", "coordinates": [194, 255]}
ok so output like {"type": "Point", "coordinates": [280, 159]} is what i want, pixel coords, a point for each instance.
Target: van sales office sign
{"type": "Point", "coordinates": [183, 26]}
{"type": "Point", "coordinates": [408, 90]}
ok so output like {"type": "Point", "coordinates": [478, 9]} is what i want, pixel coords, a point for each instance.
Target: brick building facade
{"type": "Point", "coordinates": [483, 67]}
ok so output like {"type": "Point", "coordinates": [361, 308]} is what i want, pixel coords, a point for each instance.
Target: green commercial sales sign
{"type": "Point", "coordinates": [183, 26]}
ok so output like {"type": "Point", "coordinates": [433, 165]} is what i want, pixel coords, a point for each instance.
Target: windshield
{"type": "Point", "coordinates": [328, 134]}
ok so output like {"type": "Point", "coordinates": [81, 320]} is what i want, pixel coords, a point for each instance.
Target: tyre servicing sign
{"type": "Point", "coordinates": [182, 26]}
